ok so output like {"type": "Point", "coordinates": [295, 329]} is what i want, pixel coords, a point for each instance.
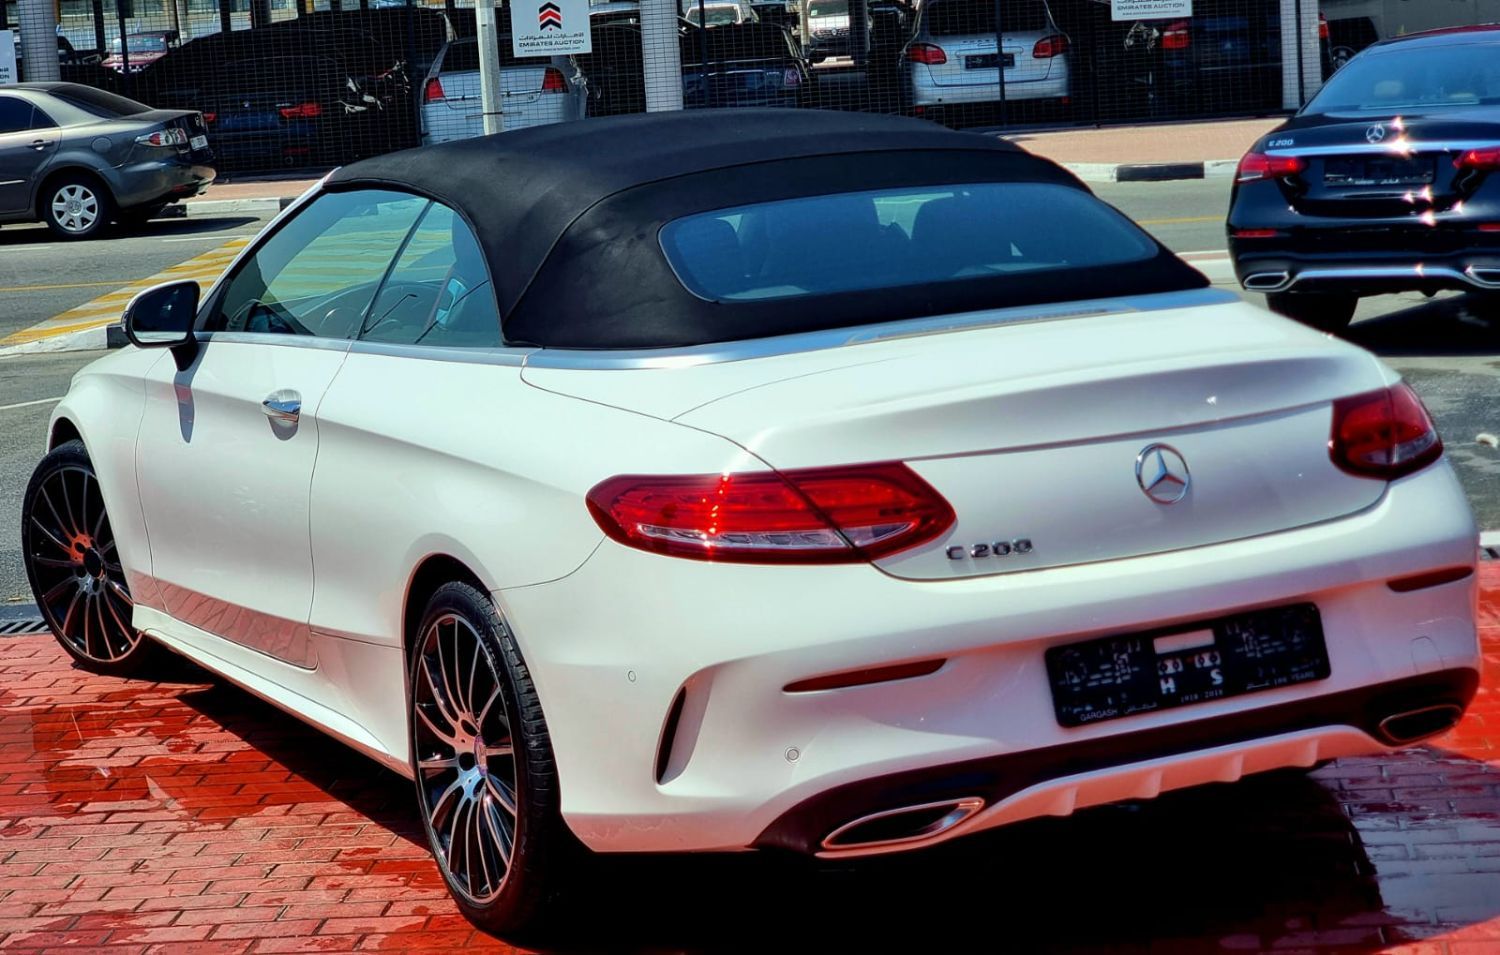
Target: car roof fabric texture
{"type": "Point", "coordinates": [568, 216]}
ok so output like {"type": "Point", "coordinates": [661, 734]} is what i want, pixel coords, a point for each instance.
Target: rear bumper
{"type": "Point", "coordinates": [156, 181]}
{"type": "Point", "coordinates": [746, 764]}
{"type": "Point", "coordinates": [927, 93]}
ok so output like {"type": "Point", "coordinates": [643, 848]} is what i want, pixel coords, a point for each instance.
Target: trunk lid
{"type": "Point", "coordinates": [1034, 432]}
{"type": "Point", "coordinates": [1377, 166]}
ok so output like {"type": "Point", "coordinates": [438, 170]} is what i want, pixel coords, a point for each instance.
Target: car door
{"type": "Point", "coordinates": [28, 141]}
{"type": "Point", "coordinates": [227, 445]}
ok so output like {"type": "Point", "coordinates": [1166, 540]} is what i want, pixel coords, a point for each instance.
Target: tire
{"type": "Point", "coordinates": [73, 566]}
{"type": "Point", "coordinates": [468, 783]}
{"type": "Point", "coordinates": [76, 206]}
{"type": "Point", "coordinates": [1329, 312]}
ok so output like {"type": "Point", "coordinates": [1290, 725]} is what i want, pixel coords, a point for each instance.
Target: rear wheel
{"type": "Point", "coordinates": [76, 206]}
{"type": "Point", "coordinates": [482, 758]}
{"type": "Point", "coordinates": [73, 565]}
{"type": "Point", "coordinates": [1327, 311]}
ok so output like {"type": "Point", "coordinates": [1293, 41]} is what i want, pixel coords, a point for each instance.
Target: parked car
{"type": "Point", "coordinates": [827, 29]}
{"type": "Point", "coordinates": [1387, 181]}
{"type": "Point", "coordinates": [277, 111]}
{"type": "Point", "coordinates": [750, 64]}
{"type": "Point", "coordinates": [535, 91]}
{"type": "Point", "coordinates": [792, 481]}
{"type": "Point", "coordinates": [719, 12]}
{"type": "Point", "coordinates": [953, 63]}
{"type": "Point", "coordinates": [78, 158]}
{"type": "Point", "coordinates": [1226, 57]}
{"type": "Point", "coordinates": [142, 49]}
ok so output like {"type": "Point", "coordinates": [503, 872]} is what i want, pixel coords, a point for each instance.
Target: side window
{"type": "Point", "coordinates": [40, 120]}
{"type": "Point", "coordinates": [439, 293]}
{"type": "Point", "coordinates": [15, 114]}
{"type": "Point", "coordinates": [318, 274]}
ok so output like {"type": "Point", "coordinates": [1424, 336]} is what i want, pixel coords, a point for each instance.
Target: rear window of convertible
{"type": "Point", "coordinates": [897, 237]}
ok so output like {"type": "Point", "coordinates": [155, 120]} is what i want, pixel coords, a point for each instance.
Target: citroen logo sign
{"type": "Point", "coordinates": [1162, 473]}
{"type": "Point", "coordinates": [1375, 134]}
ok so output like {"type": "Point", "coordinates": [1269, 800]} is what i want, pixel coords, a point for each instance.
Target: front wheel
{"type": "Point", "coordinates": [482, 759]}
{"type": "Point", "coordinates": [1325, 311]}
{"type": "Point", "coordinates": [73, 565]}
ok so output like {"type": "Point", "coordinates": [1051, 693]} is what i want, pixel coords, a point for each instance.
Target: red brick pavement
{"type": "Point", "coordinates": [184, 816]}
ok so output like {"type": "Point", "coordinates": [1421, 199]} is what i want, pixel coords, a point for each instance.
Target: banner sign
{"type": "Point", "coordinates": [1149, 9]}
{"type": "Point", "coordinates": [8, 75]}
{"type": "Point", "coordinates": [550, 27]}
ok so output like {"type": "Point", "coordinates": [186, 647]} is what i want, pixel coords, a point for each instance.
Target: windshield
{"type": "Point", "coordinates": [142, 43]}
{"type": "Point", "coordinates": [828, 8]}
{"type": "Point", "coordinates": [919, 235]}
{"type": "Point", "coordinates": [1414, 78]}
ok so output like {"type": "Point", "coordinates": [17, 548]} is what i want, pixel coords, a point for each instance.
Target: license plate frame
{"type": "Point", "coordinates": [1109, 678]}
{"type": "Point", "coordinates": [1382, 170]}
{"type": "Point", "coordinates": [988, 61]}
{"type": "Point", "coordinates": [198, 142]}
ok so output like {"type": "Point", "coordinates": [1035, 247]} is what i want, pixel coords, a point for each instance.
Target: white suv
{"type": "Point", "coordinates": [953, 61]}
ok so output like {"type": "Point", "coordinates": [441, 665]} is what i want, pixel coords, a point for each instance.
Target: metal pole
{"type": "Point", "coordinates": [1301, 74]}
{"type": "Point", "coordinates": [1000, 57]}
{"type": "Point", "coordinates": [99, 39]}
{"type": "Point", "coordinates": [661, 56]}
{"type": "Point", "coordinates": [490, 97]}
{"type": "Point", "coordinates": [124, 46]}
{"type": "Point", "coordinates": [38, 23]}
{"type": "Point", "coordinates": [703, 55]}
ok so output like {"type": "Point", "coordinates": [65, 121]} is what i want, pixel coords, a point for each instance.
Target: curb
{"type": "Point", "coordinates": [217, 207]}
{"type": "Point", "coordinates": [85, 339]}
{"type": "Point", "coordinates": [1152, 172]}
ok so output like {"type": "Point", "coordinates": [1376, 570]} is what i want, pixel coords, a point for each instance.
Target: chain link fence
{"type": "Point", "coordinates": [313, 83]}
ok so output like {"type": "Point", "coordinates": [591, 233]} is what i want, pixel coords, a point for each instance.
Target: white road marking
{"type": "Point", "coordinates": [28, 404]}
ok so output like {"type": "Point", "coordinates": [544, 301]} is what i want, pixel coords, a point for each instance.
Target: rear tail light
{"type": "Point", "coordinates": [1050, 46]}
{"type": "Point", "coordinates": [433, 91]}
{"type": "Point", "coordinates": [210, 117]}
{"type": "Point", "coordinates": [815, 515]}
{"type": "Point", "coordinates": [171, 136]}
{"type": "Point", "coordinates": [553, 82]}
{"type": "Point", "coordinates": [1177, 36]}
{"type": "Point", "coordinates": [1256, 233]}
{"type": "Point", "coordinates": [1261, 166]}
{"type": "Point", "coordinates": [1489, 227]}
{"type": "Point", "coordinates": [1383, 434]}
{"type": "Point", "coordinates": [928, 53]}
{"type": "Point", "coordinates": [791, 78]}
{"type": "Point", "coordinates": [301, 111]}
{"type": "Point", "coordinates": [1486, 159]}
{"type": "Point", "coordinates": [1322, 25]}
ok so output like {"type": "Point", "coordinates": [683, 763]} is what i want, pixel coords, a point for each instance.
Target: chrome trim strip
{"type": "Point", "coordinates": [1415, 272]}
{"type": "Point", "coordinates": [1413, 147]}
{"type": "Point", "coordinates": [11, 182]}
{"type": "Point", "coordinates": [720, 352]}
{"type": "Point", "coordinates": [267, 338]}
{"type": "Point", "coordinates": [513, 357]}
{"type": "Point", "coordinates": [1254, 282]}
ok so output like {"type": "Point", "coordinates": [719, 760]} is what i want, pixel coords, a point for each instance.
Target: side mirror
{"type": "Point", "coordinates": [163, 317]}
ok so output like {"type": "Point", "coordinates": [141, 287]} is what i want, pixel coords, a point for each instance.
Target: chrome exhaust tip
{"type": "Point", "coordinates": [905, 826]}
{"type": "Point", "coordinates": [1484, 277]}
{"type": "Point", "coordinates": [1267, 281]}
{"type": "Point", "coordinates": [1412, 725]}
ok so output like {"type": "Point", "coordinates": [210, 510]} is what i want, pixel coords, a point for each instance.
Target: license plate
{"type": "Point", "coordinates": [1379, 171]}
{"type": "Point", "coordinates": [1112, 677]}
{"type": "Point", "coordinates": [987, 61]}
{"type": "Point", "coordinates": [198, 142]}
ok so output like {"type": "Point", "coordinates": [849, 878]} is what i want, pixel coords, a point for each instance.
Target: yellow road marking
{"type": "Point", "coordinates": [1180, 220]}
{"type": "Point", "coordinates": [48, 288]}
{"type": "Point", "coordinates": [106, 309]}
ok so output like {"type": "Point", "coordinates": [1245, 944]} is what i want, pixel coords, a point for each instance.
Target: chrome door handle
{"type": "Point", "coordinates": [284, 406]}
{"type": "Point", "coordinates": [39, 144]}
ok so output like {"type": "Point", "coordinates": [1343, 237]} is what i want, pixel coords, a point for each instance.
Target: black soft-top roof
{"type": "Point", "coordinates": [567, 214]}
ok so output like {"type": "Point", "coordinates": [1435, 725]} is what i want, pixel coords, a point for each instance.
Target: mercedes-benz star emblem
{"type": "Point", "coordinates": [1375, 134]}
{"type": "Point", "coordinates": [1162, 473]}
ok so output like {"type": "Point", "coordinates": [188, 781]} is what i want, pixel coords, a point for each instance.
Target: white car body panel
{"type": "Point", "coordinates": [282, 561]}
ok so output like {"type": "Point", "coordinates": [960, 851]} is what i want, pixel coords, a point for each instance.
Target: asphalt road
{"type": "Point", "coordinates": [40, 277]}
{"type": "Point", "coordinates": [1448, 347]}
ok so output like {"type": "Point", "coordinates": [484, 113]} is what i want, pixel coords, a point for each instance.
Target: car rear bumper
{"type": "Point", "coordinates": [1262, 266]}
{"type": "Point", "coordinates": [159, 180]}
{"type": "Point", "coordinates": [927, 93]}
{"type": "Point", "coordinates": [744, 763]}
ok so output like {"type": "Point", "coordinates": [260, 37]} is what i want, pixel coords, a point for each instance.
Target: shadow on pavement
{"type": "Point", "coordinates": [1453, 325]}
